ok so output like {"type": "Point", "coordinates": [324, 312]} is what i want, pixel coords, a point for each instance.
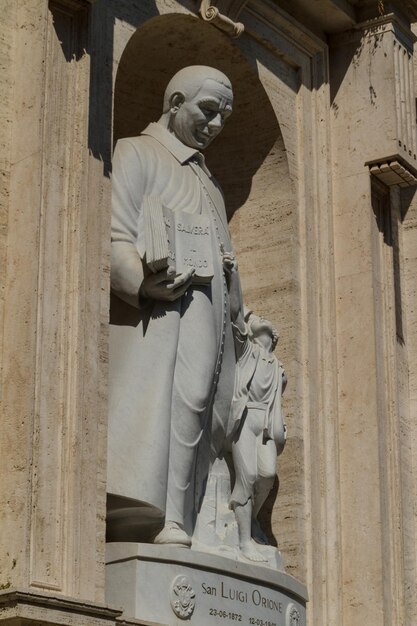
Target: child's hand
{"type": "Point", "coordinates": [229, 261]}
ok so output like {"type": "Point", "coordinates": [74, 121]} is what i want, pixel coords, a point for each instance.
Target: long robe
{"type": "Point", "coordinates": [145, 338]}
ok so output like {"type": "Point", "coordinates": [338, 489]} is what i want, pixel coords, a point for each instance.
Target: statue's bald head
{"type": "Point", "coordinates": [190, 80]}
{"type": "Point", "coordinates": [197, 102]}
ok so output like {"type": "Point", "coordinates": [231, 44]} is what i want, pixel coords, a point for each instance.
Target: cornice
{"type": "Point", "coordinates": [279, 20]}
{"type": "Point", "coordinates": [20, 604]}
{"type": "Point", "coordinates": [390, 22]}
{"type": "Point", "coordinates": [372, 8]}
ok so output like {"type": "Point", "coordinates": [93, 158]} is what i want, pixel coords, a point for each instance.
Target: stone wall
{"type": "Point", "coordinates": [56, 309]}
{"type": "Point", "coordinates": [325, 229]}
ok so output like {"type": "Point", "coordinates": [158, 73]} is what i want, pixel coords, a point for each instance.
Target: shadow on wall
{"type": "Point", "coordinates": [102, 51]}
{"type": "Point", "coordinates": [161, 47]}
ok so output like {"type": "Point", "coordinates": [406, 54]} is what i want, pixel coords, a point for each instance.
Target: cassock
{"type": "Point", "coordinates": [171, 364]}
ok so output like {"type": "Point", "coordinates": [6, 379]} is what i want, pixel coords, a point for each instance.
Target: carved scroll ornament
{"type": "Point", "coordinates": [210, 13]}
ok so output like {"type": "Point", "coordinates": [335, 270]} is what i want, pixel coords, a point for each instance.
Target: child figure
{"type": "Point", "coordinates": [256, 424]}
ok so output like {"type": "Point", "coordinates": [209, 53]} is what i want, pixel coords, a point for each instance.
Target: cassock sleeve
{"type": "Point", "coordinates": [128, 179]}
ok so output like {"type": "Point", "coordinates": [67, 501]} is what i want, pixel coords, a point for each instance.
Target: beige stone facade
{"type": "Point", "coordinates": [319, 169]}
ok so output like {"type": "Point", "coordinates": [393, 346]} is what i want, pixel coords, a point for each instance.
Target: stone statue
{"type": "Point", "coordinates": [195, 420]}
{"type": "Point", "coordinates": [256, 417]}
{"type": "Point", "coordinates": [170, 320]}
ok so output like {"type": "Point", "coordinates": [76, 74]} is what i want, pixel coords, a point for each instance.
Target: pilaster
{"type": "Point", "coordinates": [374, 155]}
{"type": "Point", "coordinates": [53, 411]}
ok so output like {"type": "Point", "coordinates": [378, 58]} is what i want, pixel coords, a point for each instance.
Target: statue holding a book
{"type": "Point", "coordinates": [170, 322]}
{"type": "Point", "coordinates": [172, 345]}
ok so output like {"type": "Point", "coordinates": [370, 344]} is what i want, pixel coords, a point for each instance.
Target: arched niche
{"type": "Point", "coordinates": [248, 159]}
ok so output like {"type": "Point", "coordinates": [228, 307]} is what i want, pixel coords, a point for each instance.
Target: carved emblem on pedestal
{"type": "Point", "coordinates": [293, 616]}
{"type": "Point", "coordinates": [182, 597]}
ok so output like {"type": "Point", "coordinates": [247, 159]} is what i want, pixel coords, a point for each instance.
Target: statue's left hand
{"type": "Point", "coordinates": [229, 261]}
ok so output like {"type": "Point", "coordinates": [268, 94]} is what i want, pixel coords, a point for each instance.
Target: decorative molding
{"type": "Point", "coordinates": [387, 44]}
{"type": "Point", "coordinates": [210, 12]}
{"type": "Point", "coordinates": [55, 395]}
{"type": "Point", "coordinates": [273, 18]}
{"type": "Point", "coordinates": [391, 22]}
{"type": "Point", "coordinates": [26, 607]}
{"type": "Point", "coordinates": [392, 172]}
{"type": "Point", "coordinates": [65, 541]}
{"type": "Point", "coordinates": [405, 111]}
{"type": "Point", "coordinates": [369, 8]}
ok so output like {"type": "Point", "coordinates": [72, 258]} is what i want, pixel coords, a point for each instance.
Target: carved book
{"type": "Point", "coordinates": [177, 239]}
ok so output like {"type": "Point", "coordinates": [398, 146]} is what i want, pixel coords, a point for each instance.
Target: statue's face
{"type": "Point", "coordinates": [197, 121]}
{"type": "Point", "coordinates": [262, 332]}
{"type": "Point", "coordinates": [264, 339]}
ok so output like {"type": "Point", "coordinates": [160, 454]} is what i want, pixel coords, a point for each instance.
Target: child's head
{"type": "Point", "coordinates": [261, 331]}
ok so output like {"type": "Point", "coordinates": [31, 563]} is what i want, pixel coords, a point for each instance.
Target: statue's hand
{"type": "Point", "coordinates": [229, 261]}
{"type": "Point", "coordinates": [166, 285]}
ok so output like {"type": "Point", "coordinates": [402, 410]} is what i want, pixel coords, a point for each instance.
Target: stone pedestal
{"type": "Point", "coordinates": [166, 585]}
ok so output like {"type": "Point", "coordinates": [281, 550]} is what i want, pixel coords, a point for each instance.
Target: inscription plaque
{"type": "Point", "coordinates": [162, 585]}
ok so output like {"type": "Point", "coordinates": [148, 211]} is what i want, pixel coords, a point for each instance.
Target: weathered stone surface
{"type": "Point", "coordinates": [345, 513]}
{"type": "Point", "coordinates": [52, 444]}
